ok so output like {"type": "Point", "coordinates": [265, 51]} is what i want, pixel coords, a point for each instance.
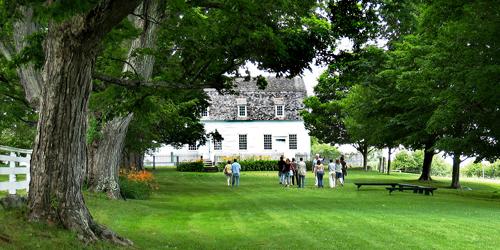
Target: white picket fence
{"type": "Point", "coordinates": [16, 165]}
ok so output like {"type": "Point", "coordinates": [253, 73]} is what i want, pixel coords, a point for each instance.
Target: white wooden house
{"type": "Point", "coordinates": [254, 124]}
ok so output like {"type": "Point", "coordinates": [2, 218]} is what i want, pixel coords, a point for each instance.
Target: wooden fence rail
{"type": "Point", "coordinates": [17, 164]}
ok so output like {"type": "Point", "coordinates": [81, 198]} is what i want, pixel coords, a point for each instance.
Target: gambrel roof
{"type": "Point", "coordinates": [260, 104]}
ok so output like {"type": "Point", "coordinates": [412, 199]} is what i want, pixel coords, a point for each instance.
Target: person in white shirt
{"type": "Point", "coordinates": [314, 162]}
{"type": "Point", "coordinates": [331, 173]}
{"type": "Point", "coordinates": [338, 173]}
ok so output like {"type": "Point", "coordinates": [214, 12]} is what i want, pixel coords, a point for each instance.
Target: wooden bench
{"type": "Point", "coordinates": [392, 184]}
{"type": "Point", "coordinates": [415, 188]}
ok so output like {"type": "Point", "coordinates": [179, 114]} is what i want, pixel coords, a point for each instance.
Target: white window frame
{"type": "Point", "coordinates": [239, 113]}
{"type": "Point", "coordinates": [282, 110]}
{"type": "Point", "coordinates": [268, 142]}
{"type": "Point", "coordinates": [240, 142]}
{"type": "Point", "coordinates": [207, 111]}
{"type": "Point", "coordinates": [290, 141]}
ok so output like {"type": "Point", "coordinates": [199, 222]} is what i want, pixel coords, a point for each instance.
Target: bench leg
{"type": "Point", "coordinates": [415, 191]}
{"type": "Point", "coordinates": [426, 192]}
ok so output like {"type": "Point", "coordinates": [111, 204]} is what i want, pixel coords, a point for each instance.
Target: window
{"type": "Point", "coordinates": [242, 110]}
{"type": "Point", "coordinates": [242, 142]}
{"type": "Point", "coordinates": [268, 142]}
{"type": "Point", "coordinates": [217, 145]}
{"type": "Point", "coordinates": [280, 111]}
{"type": "Point", "coordinates": [193, 146]}
{"type": "Point", "coordinates": [204, 112]}
{"type": "Point", "coordinates": [292, 140]}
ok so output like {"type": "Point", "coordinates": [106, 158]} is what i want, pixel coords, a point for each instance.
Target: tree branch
{"type": "Point", "coordinates": [205, 4]}
{"type": "Point", "coordinates": [133, 83]}
{"type": "Point", "coordinates": [104, 16]}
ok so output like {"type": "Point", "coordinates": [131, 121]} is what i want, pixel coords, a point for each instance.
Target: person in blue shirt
{"type": "Point", "coordinates": [235, 168]}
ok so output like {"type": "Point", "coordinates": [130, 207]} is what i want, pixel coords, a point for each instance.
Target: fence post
{"type": "Point", "coordinates": [28, 174]}
{"type": "Point", "coordinates": [177, 161]}
{"type": "Point", "coordinates": [154, 162]}
{"type": "Point", "coordinates": [12, 175]}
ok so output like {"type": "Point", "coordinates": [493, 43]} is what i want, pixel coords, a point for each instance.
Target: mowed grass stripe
{"type": "Point", "coordinates": [199, 211]}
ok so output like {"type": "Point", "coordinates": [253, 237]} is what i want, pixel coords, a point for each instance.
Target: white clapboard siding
{"type": "Point", "coordinates": [12, 185]}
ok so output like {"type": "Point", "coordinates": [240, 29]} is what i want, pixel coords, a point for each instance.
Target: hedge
{"type": "Point", "coordinates": [258, 165]}
{"type": "Point", "coordinates": [195, 166]}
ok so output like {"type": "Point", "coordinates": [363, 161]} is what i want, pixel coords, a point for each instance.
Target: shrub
{"type": "Point", "coordinates": [258, 165]}
{"type": "Point", "coordinates": [440, 167]}
{"type": "Point", "coordinates": [134, 189]}
{"type": "Point", "coordinates": [411, 162]}
{"type": "Point", "coordinates": [195, 166]}
{"type": "Point", "coordinates": [136, 185]}
{"type": "Point", "coordinates": [476, 170]}
{"type": "Point", "coordinates": [405, 162]}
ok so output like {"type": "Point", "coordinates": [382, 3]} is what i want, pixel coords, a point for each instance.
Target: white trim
{"type": "Point", "coordinates": [208, 113]}
{"type": "Point", "coordinates": [282, 110]}
{"type": "Point", "coordinates": [246, 111]}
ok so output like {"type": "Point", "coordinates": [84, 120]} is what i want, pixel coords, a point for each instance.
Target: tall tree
{"type": "Point", "coordinates": [72, 34]}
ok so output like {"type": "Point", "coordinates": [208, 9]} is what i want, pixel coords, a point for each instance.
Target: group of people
{"type": "Point", "coordinates": [336, 171]}
{"type": "Point", "coordinates": [290, 172]}
{"type": "Point", "coordinates": [293, 173]}
{"type": "Point", "coordinates": [232, 172]}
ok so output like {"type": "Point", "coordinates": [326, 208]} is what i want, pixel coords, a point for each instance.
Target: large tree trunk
{"type": "Point", "coordinates": [59, 154]}
{"type": "Point", "coordinates": [389, 160]}
{"type": "Point", "coordinates": [455, 177]}
{"type": "Point", "coordinates": [105, 155]}
{"type": "Point", "coordinates": [426, 167]}
{"type": "Point", "coordinates": [132, 161]}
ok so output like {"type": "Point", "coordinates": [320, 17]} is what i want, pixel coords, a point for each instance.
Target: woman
{"type": "Point", "coordinates": [338, 172]}
{"type": "Point", "coordinates": [331, 173]}
{"type": "Point", "coordinates": [286, 172]}
{"type": "Point", "coordinates": [228, 172]}
{"type": "Point", "coordinates": [319, 171]}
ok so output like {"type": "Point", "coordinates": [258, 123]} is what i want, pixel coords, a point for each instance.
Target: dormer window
{"type": "Point", "coordinates": [204, 112]}
{"type": "Point", "coordinates": [242, 107]}
{"type": "Point", "coordinates": [279, 110]}
{"type": "Point", "coordinates": [242, 110]}
{"type": "Point", "coordinates": [279, 107]}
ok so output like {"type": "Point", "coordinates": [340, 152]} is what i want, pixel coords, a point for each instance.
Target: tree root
{"type": "Point", "coordinates": [108, 235]}
{"type": "Point", "coordinates": [81, 222]}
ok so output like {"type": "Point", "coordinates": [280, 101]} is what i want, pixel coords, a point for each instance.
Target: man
{"type": "Point", "coordinates": [281, 167]}
{"type": "Point", "coordinates": [301, 170]}
{"type": "Point", "coordinates": [235, 168]}
{"type": "Point", "coordinates": [344, 167]}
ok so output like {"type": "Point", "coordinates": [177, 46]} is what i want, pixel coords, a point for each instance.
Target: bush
{"type": "Point", "coordinates": [440, 167]}
{"type": "Point", "coordinates": [405, 162]}
{"type": "Point", "coordinates": [411, 162]}
{"type": "Point", "coordinates": [195, 166]}
{"type": "Point", "coordinates": [258, 165]}
{"type": "Point", "coordinates": [136, 185]}
{"type": "Point", "coordinates": [134, 189]}
{"type": "Point", "coordinates": [476, 170]}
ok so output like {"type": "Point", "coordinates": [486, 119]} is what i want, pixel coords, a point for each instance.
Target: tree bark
{"type": "Point", "coordinates": [30, 76]}
{"type": "Point", "coordinates": [104, 157]}
{"type": "Point", "coordinates": [59, 154]}
{"type": "Point", "coordinates": [426, 167]}
{"type": "Point", "coordinates": [133, 161]}
{"type": "Point", "coordinates": [389, 161]}
{"type": "Point", "coordinates": [455, 177]}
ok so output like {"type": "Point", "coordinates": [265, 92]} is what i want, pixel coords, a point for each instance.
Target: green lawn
{"type": "Point", "coordinates": [197, 211]}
